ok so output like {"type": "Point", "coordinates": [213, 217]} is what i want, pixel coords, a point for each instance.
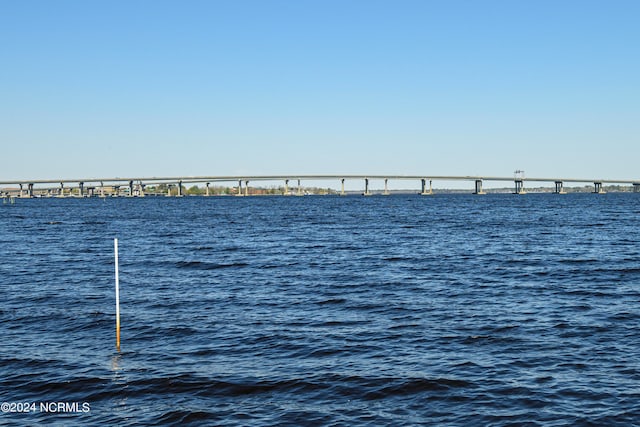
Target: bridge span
{"type": "Point", "coordinates": [135, 186]}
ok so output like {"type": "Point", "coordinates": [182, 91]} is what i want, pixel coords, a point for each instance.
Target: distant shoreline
{"type": "Point", "coordinates": [303, 191]}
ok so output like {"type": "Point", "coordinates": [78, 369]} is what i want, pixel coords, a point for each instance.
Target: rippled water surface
{"type": "Point", "coordinates": [402, 310]}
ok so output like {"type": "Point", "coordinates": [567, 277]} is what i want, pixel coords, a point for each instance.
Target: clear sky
{"type": "Point", "coordinates": [451, 87]}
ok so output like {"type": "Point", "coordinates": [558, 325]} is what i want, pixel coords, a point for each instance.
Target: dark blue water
{"type": "Point", "coordinates": [448, 310]}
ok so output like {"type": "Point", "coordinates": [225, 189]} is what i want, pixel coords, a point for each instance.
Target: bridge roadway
{"type": "Point", "coordinates": [136, 184]}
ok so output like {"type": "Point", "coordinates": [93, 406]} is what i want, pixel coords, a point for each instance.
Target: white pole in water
{"type": "Point", "coordinates": [115, 246]}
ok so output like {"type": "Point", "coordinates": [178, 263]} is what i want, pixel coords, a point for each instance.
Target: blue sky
{"type": "Point", "coordinates": [143, 88]}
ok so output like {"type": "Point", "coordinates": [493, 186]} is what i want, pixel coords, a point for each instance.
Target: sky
{"type": "Point", "coordinates": [435, 87]}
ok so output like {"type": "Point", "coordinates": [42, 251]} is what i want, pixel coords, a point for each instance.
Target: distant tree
{"type": "Point", "coordinates": [195, 191]}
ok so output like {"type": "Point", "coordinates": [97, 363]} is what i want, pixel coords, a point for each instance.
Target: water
{"type": "Point", "coordinates": [402, 310]}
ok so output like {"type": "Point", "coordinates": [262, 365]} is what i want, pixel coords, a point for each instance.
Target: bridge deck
{"type": "Point", "coordinates": [236, 178]}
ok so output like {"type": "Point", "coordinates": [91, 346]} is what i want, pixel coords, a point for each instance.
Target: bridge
{"type": "Point", "coordinates": [135, 186]}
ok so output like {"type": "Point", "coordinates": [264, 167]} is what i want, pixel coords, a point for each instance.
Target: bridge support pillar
{"type": "Point", "coordinates": [246, 188]}
{"type": "Point", "coordinates": [101, 189]}
{"type": "Point", "coordinates": [30, 190]}
{"type": "Point", "coordinates": [116, 190]}
{"type": "Point", "coordinates": [386, 187]}
{"type": "Point", "coordinates": [61, 193]}
{"type": "Point", "coordinates": [479, 187]}
{"type": "Point", "coordinates": [560, 188]}
{"type": "Point", "coordinates": [180, 189]}
{"type": "Point", "coordinates": [168, 190]}
{"type": "Point", "coordinates": [366, 187]}
{"type": "Point", "coordinates": [21, 192]}
{"type": "Point", "coordinates": [636, 187]}
{"type": "Point", "coordinates": [342, 187]}
{"type": "Point", "coordinates": [81, 189]}
{"type": "Point", "coordinates": [130, 188]}
{"type": "Point", "coordinates": [519, 187]}
{"type": "Point", "coordinates": [207, 190]}
{"type": "Point", "coordinates": [423, 187]}
{"type": "Point", "coordinates": [239, 193]}
{"type": "Point", "coordinates": [286, 187]}
{"type": "Point", "coordinates": [299, 189]}
{"type": "Point", "coordinates": [598, 188]}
